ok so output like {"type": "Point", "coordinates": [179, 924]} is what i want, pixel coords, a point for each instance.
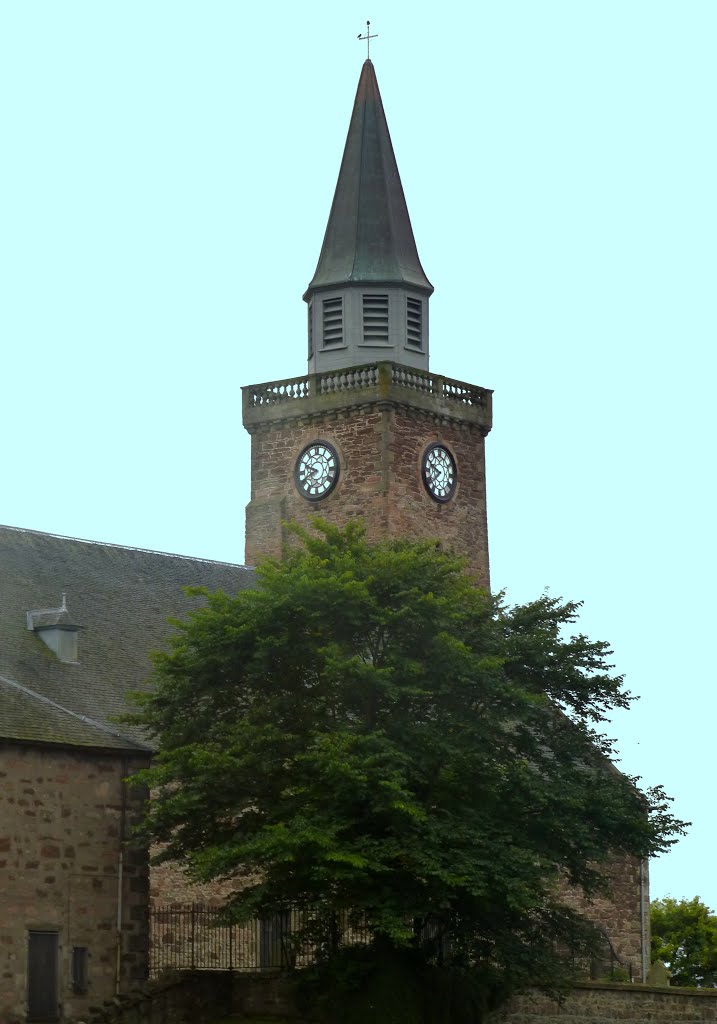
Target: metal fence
{"type": "Point", "coordinates": [608, 966]}
{"type": "Point", "coordinates": [197, 937]}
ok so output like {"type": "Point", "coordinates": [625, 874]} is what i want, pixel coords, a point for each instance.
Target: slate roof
{"type": "Point", "coordinates": [369, 237]}
{"type": "Point", "coordinates": [122, 598]}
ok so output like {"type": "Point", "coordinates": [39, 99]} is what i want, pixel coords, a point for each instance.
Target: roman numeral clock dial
{"type": "Point", "coordinates": [439, 472]}
{"type": "Point", "coordinates": [317, 470]}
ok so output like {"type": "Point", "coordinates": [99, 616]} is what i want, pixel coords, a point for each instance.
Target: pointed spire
{"type": "Point", "coordinates": [369, 239]}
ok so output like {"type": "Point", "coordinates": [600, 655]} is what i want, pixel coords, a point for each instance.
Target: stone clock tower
{"type": "Point", "coordinates": [369, 432]}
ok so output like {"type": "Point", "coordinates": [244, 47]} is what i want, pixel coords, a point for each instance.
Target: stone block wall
{"type": "Point", "coordinates": [462, 523]}
{"type": "Point", "coordinates": [171, 886]}
{"type": "Point", "coordinates": [380, 451]}
{"type": "Point", "coordinates": [360, 491]}
{"type": "Point", "coordinates": [594, 1003]}
{"type": "Point", "coordinates": [62, 813]}
{"type": "Point", "coordinates": [623, 913]}
{"type": "Point", "coordinates": [201, 997]}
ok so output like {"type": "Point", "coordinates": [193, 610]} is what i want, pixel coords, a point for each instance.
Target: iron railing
{"type": "Point", "coordinates": [197, 937]}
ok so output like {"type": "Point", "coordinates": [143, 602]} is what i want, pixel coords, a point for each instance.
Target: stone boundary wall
{"type": "Point", "coordinates": [199, 997]}
{"type": "Point", "coordinates": [604, 1002]}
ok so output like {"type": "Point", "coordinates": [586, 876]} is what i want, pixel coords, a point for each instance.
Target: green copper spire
{"type": "Point", "coordinates": [369, 239]}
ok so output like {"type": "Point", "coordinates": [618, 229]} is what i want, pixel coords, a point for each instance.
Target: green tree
{"type": "Point", "coordinates": [370, 732]}
{"type": "Point", "coordinates": [684, 936]}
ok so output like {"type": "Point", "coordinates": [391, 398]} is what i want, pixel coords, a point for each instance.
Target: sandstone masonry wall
{"type": "Point", "coordinates": [380, 452]}
{"type": "Point", "coordinates": [623, 913]}
{"type": "Point", "coordinates": [595, 1003]}
{"type": "Point", "coordinates": [274, 498]}
{"type": "Point", "coordinates": [200, 997]}
{"type": "Point", "coordinates": [462, 523]}
{"type": "Point", "coordinates": [61, 819]}
{"type": "Point", "coordinates": [170, 886]}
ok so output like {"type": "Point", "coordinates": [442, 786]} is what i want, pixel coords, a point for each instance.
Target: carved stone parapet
{"type": "Point", "coordinates": [365, 386]}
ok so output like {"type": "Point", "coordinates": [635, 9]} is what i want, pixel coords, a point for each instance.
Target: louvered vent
{"type": "Point", "coordinates": [333, 321]}
{"type": "Point", "coordinates": [414, 322]}
{"type": "Point", "coordinates": [375, 319]}
{"type": "Point", "coordinates": [311, 329]}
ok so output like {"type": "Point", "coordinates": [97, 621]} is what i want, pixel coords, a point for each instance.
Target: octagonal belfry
{"type": "Point", "coordinates": [368, 298]}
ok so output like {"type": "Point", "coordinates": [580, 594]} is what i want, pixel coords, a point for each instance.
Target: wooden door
{"type": "Point", "coordinates": [42, 976]}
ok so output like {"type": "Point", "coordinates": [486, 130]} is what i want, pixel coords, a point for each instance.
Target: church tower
{"type": "Point", "coordinates": [369, 431]}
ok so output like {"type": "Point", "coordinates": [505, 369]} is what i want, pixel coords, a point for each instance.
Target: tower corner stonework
{"type": "Point", "coordinates": [379, 419]}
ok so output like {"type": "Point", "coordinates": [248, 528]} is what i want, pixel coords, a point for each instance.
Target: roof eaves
{"type": "Point", "coordinates": [132, 744]}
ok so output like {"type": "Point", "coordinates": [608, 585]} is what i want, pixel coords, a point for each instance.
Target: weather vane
{"type": "Point", "coordinates": [368, 37]}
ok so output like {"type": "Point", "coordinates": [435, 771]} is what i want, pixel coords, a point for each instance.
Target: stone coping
{"type": "Point", "coordinates": [638, 988]}
{"type": "Point", "coordinates": [367, 385]}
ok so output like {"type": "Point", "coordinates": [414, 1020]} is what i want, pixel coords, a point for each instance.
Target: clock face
{"type": "Point", "coordinates": [439, 472]}
{"type": "Point", "coordinates": [317, 470]}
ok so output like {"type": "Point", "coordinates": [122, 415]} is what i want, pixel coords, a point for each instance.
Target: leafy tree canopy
{"type": "Point", "coordinates": [684, 936]}
{"type": "Point", "coordinates": [367, 730]}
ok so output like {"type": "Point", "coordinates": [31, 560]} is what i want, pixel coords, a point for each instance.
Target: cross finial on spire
{"type": "Point", "coordinates": [368, 37]}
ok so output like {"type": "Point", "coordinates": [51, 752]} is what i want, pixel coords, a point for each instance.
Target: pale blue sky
{"type": "Point", "coordinates": [167, 171]}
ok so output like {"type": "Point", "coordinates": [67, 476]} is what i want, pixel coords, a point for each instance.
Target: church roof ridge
{"type": "Point", "coordinates": [124, 547]}
{"type": "Point", "coordinates": [369, 238]}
